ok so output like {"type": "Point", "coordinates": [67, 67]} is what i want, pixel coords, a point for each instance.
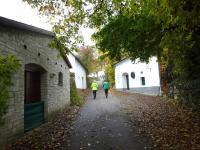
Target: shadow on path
{"type": "Point", "coordinates": [102, 125]}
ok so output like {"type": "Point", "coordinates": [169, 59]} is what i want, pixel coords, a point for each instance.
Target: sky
{"type": "Point", "coordinates": [22, 12]}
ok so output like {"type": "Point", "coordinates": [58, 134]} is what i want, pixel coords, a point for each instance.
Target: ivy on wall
{"type": "Point", "coordinates": [8, 66]}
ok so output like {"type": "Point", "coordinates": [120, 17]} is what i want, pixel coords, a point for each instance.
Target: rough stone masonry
{"type": "Point", "coordinates": [30, 45]}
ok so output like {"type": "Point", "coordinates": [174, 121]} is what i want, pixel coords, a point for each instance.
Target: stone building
{"type": "Point", "coordinates": [41, 86]}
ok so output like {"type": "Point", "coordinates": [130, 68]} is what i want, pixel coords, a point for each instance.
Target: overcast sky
{"type": "Point", "coordinates": [22, 12]}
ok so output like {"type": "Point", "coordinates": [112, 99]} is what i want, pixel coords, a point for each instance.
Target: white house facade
{"type": "Point", "coordinates": [138, 77]}
{"type": "Point", "coordinates": [100, 75]}
{"type": "Point", "coordinates": [79, 70]}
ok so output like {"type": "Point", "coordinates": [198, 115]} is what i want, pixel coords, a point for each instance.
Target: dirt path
{"type": "Point", "coordinates": [102, 125]}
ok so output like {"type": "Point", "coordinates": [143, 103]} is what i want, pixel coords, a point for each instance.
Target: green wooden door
{"type": "Point", "coordinates": [33, 106]}
{"type": "Point", "coordinates": [33, 115]}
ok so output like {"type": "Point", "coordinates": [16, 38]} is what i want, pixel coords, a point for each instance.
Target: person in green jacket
{"type": "Point", "coordinates": [94, 87]}
{"type": "Point", "coordinates": [106, 86]}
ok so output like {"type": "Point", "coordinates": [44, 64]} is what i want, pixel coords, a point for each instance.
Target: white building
{"type": "Point", "coordinates": [101, 75]}
{"type": "Point", "coordinates": [138, 77]}
{"type": "Point", "coordinates": [79, 70]}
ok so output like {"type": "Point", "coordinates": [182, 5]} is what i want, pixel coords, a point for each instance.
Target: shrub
{"type": "Point", "coordinates": [8, 66]}
{"type": "Point", "coordinates": [75, 99]}
{"type": "Point", "coordinates": [187, 91]}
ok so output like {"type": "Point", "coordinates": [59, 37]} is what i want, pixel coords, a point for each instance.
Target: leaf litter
{"type": "Point", "coordinates": [169, 124]}
{"type": "Point", "coordinates": [51, 135]}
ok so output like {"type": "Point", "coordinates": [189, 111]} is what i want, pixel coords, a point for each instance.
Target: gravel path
{"type": "Point", "coordinates": [102, 125]}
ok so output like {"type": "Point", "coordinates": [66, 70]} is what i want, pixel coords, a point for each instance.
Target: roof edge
{"type": "Point", "coordinates": [66, 60]}
{"type": "Point", "coordinates": [79, 61]}
{"type": "Point", "coordinates": [121, 61]}
{"type": "Point", "coordinates": [22, 26]}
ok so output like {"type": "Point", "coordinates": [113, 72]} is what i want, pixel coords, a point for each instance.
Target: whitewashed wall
{"type": "Point", "coordinates": [80, 73]}
{"type": "Point", "coordinates": [150, 71]}
{"type": "Point", "coordinates": [72, 61]}
{"type": "Point", "coordinates": [101, 75]}
{"type": "Point", "coordinates": [80, 76]}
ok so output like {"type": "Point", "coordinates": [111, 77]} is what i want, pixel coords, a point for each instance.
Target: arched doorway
{"type": "Point", "coordinates": [34, 80]}
{"type": "Point", "coordinates": [125, 81]}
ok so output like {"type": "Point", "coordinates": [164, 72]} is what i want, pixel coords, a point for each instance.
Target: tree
{"type": "Point", "coordinates": [156, 26]}
{"type": "Point", "coordinates": [135, 28]}
{"type": "Point", "coordinates": [130, 27]}
{"type": "Point", "coordinates": [110, 72]}
{"type": "Point", "coordinates": [66, 18]}
{"type": "Point", "coordinates": [87, 56]}
{"type": "Point", "coordinates": [108, 67]}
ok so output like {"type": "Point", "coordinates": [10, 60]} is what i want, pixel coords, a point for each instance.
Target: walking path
{"type": "Point", "coordinates": [102, 125]}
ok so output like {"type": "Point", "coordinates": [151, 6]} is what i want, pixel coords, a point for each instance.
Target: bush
{"type": "Point", "coordinates": [8, 66]}
{"type": "Point", "coordinates": [187, 91]}
{"type": "Point", "coordinates": [75, 99]}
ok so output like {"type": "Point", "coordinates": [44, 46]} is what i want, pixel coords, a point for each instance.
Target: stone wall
{"type": "Point", "coordinates": [32, 48]}
{"type": "Point", "coordinates": [154, 90]}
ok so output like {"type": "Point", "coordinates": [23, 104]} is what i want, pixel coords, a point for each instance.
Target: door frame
{"type": "Point", "coordinates": [125, 81]}
{"type": "Point", "coordinates": [31, 67]}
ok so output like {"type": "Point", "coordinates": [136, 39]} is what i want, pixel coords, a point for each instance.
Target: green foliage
{"type": "Point", "coordinates": [166, 29]}
{"type": "Point", "coordinates": [150, 23]}
{"type": "Point", "coordinates": [109, 68]}
{"type": "Point", "coordinates": [87, 57]}
{"type": "Point", "coordinates": [133, 28]}
{"type": "Point", "coordinates": [89, 81]}
{"type": "Point", "coordinates": [187, 91]}
{"type": "Point", "coordinates": [66, 18]}
{"type": "Point", "coordinates": [151, 27]}
{"type": "Point", "coordinates": [129, 37]}
{"type": "Point", "coordinates": [110, 72]}
{"type": "Point", "coordinates": [75, 99]}
{"type": "Point", "coordinates": [8, 66]}
{"type": "Point", "coordinates": [59, 43]}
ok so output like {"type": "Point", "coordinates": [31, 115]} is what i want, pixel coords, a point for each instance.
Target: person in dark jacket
{"type": "Point", "coordinates": [106, 87]}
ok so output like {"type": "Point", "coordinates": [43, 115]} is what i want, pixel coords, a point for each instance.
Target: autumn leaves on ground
{"type": "Point", "coordinates": [168, 124]}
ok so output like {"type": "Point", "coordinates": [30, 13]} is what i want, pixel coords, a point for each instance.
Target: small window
{"type": "Point", "coordinates": [143, 80]}
{"type": "Point", "coordinates": [133, 75]}
{"type": "Point", "coordinates": [60, 78]}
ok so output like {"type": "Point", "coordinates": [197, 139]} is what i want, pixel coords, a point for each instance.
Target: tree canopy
{"type": "Point", "coordinates": [168, 29]}
{"type": "Point", "coordinates": [87, 57]}
{"type": "Point", "coordinates": [131, 28]}
{"type": "Point", "coordinates": [141, 29]}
